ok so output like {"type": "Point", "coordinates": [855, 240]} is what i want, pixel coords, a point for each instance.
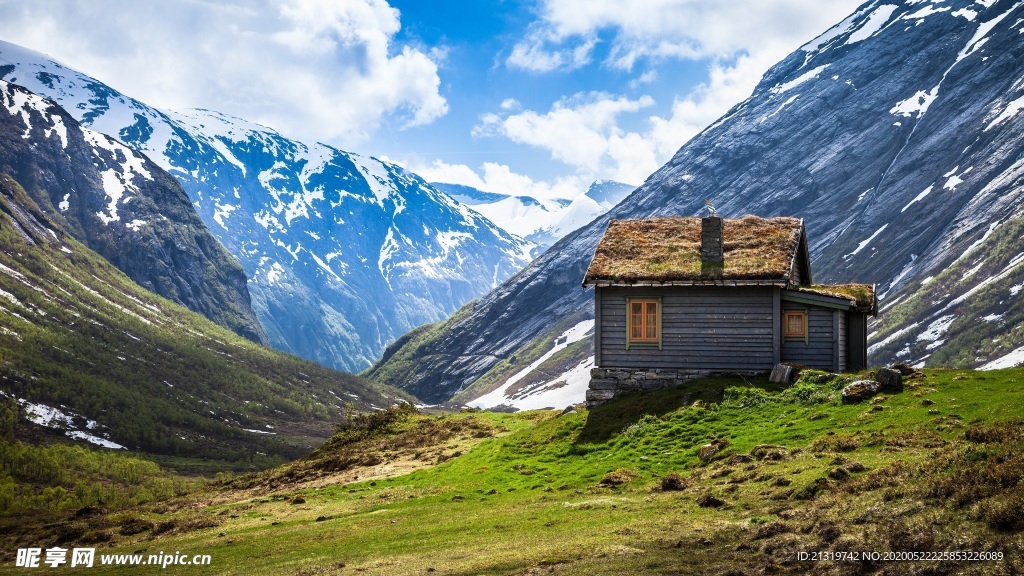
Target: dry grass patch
{"type": "Point", "coordinates": [667, 249]}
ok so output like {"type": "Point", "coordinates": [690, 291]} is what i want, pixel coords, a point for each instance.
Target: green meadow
{"type": "Point", "coordinates": [629, 487]}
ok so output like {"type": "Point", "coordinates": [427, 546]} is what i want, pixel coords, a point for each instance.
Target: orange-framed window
{"type": "Point", "coordinates": [794, 324]}
{"type": "Point", "coordinates": [644, 326]}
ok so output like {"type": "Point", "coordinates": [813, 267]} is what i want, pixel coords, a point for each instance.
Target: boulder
{"type": "Point", "coordinates": [890, 379]}
{"type": "Point", "coordinates": [708, 451]}
{"type": "Point", "coordinates": [781, 374]}
{"type": "Point", "coordinates": [860, 390]}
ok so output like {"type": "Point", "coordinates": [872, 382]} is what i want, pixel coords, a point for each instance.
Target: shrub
{"type": "Point", "coordinates": [735, 397]}
{"type": "Point", "coordinates": [617, 477]}
{"type": "Point", "coordinates": [640, 427]}
{"type": "Point", "coordinates": [1005, 513]}
{"type": "Point", "coordinates": [673, 482]}
{"type": "Point", "coordinates": [356, 425]}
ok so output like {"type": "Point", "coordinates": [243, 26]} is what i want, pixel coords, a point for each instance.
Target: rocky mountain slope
{"type": "Point", "coordinates": [542, 222]}
{"type": "Point", "coordinates": [93, 356]}
{"type": "Point", "coordinates": [123, 206]}
{"type": "Point", "coordinates": [896, 135]}
{"type": "Point", "coordinates": [344, 253]}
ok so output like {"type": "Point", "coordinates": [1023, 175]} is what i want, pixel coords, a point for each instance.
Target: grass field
{"type": "Point", "coordinates": [620, 489]}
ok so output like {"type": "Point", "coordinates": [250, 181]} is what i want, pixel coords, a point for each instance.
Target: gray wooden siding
{"type": "Point", "coordinates": [842, 342]}
{"type": "Point", "coordinates": [819, 350]}
{"type": "Point", "coordinates": [703, 329]}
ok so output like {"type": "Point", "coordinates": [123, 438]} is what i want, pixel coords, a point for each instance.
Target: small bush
{"type": "Point", "coordinates": [673, 482]}
{"type": "Point", "coordinates": [812, 489]}
{"type": "Point", "coordinates": [640, 427]}
{"type": "Point", "coordinates": [375, 422]}
{"type": "Point", "coordinates": [1005, 513]}
{"type": "Point", "coordinates": [710, 501]}
{"type": "Point", "coordinates": [735, 397]}
{"type": "Point", "coordinates": [134, 526]}
{"type": "Point", "coordinates": [618, 477]}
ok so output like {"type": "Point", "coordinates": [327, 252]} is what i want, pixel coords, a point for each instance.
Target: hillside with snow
{"type": "Point", "coordinates": [123, 206]}
{"type": "Point", "coordinates": [897, 135]}
{"type": "Point", "coordinates": [344, 253]}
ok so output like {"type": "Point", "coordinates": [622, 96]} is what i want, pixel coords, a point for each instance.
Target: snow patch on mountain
{"type": "Point", "coordinates": [875, 22]}
{"type": "Point", "coordinates": [918, 198]}
{"type": "Point", "coordinates": [1008, 112]}
{"type": "Point", "coordinates": [574, 391]}
{"type": "Point", "coordinates": [787, 86]}
{"type": "Point", "coordinates": [1012, 360]}
{"type": "Point", "coordinates": [916, 104]}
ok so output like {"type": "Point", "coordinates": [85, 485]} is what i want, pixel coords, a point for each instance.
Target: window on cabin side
{"type": "Point", "coordinates": [644, 321]}
{"type": "Point", "coordinates": [795, 324]}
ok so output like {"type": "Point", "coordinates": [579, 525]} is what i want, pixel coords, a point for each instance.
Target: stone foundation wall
{"type": "Point", "coordinates": [608, 383]}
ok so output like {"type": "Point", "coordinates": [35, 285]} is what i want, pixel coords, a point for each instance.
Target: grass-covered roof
{"type": "Point", "coordinates": [863, 295]}
{"type": "Point", "coordinates": [668, 250]}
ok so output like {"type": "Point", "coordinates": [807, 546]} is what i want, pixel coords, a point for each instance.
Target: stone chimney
{"type": "Point", "coordinates": [712, 242]}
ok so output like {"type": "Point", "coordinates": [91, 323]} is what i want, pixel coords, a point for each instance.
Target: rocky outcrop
{"type": "Point", "coordinates": [890, 380]}
{"type": "Point", "coordinates": [860, 391]}
{"type": "Point", "coordinates": [124, 207]}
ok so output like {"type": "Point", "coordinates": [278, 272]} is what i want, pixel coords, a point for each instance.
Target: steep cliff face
{"type": "Point", "coordinates": [344, 253]}
{"type": "Point", "coordinates": [124, 207]}
{"type": "Point", "coordinates": [896, 135]}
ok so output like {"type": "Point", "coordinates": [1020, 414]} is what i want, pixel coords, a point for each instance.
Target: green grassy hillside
{"type": "Point", "coordinates": [623, 489]}
{"type": "Point", "coordinates": [78, 336]}
{"type": "Point", "coordinates": [969, 314]}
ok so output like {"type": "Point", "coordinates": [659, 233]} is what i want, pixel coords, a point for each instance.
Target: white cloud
{"type": "Point", "coordinates": [494, 177]}
{"type": "Point", "coordinates": [535, 55]}
{"type": "Point", "coordinates": [581, 131]}
{"type": "Point", "coordinates": [318, 69]}
{"type": "Point", "coordinates": [565, 34]}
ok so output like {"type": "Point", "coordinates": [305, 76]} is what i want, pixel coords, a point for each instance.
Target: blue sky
{"type": "Point", "coordinates": [518, 96]}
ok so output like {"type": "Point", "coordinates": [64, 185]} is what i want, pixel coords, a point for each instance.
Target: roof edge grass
{"type": "Point", "coordinates": [667, 251]}
{"type": "Point", "coordinates": [862, 295]}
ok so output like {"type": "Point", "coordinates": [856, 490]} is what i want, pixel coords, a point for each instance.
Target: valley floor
{"type": "Point", "coordinates": [793, 480]}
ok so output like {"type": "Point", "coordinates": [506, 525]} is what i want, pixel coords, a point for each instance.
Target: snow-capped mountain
{"type": "Point", "coordinates": [344, 253]}
{"type": "Point", "coordinates": [542, 222]}
{"type": "Point", "coordinates": [123, 206]}
{"type": "Point", "coordinates": [896, 135]}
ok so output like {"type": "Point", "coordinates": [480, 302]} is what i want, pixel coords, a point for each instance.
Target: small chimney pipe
{"type": "Point", "coordinates": [712, 240]}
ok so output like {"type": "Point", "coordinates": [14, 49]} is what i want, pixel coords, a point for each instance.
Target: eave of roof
{"type": "Point", "coordinates": [861, 296]}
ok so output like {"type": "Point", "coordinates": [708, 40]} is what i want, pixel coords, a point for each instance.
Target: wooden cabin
{"type": "Point", "coordinates": [675, 298]}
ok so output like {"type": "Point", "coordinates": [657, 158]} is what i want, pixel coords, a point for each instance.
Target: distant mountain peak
{"type": "Point", "coordinates": [344, 253]}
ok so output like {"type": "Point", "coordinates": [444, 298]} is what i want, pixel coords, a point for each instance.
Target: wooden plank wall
{"type": "Point", "coordinates": [704, 329]}
{"type": "Point", "coordinates": [843, 355]}
{"type": "Point", "coordinates": [819, 350]}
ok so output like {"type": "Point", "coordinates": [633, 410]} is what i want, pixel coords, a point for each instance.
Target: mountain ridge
{"type": "Point", "coordinates": [896, 163]}
{"type": "Point", "coordinates": [123, 206]}
{"type": "Point", "coordinates": [284, 208]}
